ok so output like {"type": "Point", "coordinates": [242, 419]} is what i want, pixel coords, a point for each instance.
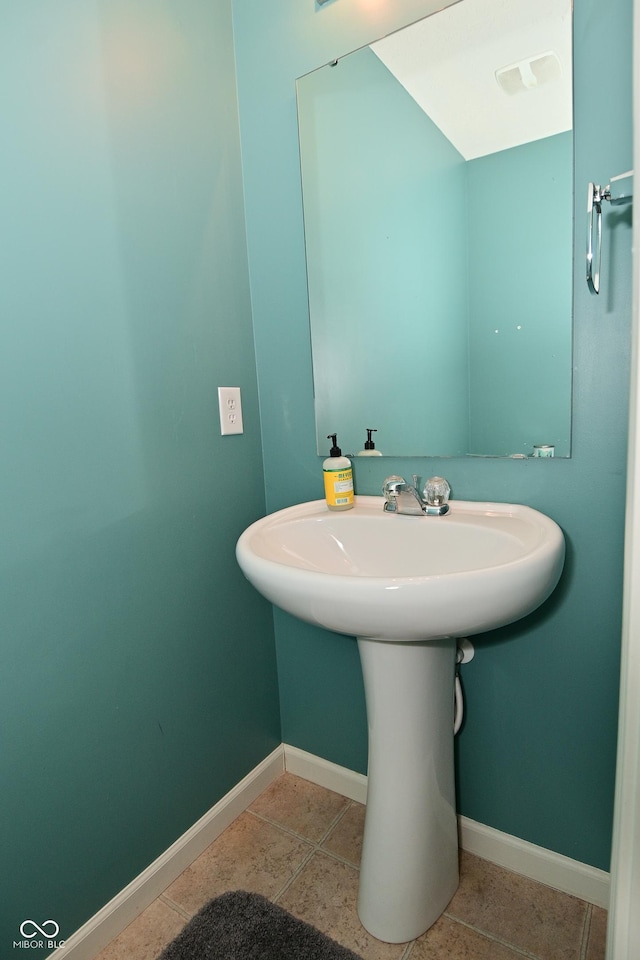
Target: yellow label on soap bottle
{"type": "Point", "coordinates": [338, 487]}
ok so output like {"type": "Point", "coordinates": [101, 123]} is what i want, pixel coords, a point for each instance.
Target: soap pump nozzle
{"type": "Point", "coordinates": [335, 449]}
{"type": "Point", "coordinates": [369, 444]}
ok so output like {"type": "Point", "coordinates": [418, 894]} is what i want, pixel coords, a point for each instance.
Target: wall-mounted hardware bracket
{"type": "Point", "coordinates": [618, 192]}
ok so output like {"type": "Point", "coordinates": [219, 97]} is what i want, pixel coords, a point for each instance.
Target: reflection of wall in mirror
{"type": "Point", "coordinates": [405, 275]}
{"type": "Point", "coordinates": [385, 215]}
{"type": "Point", "coordinates": [519, 334]}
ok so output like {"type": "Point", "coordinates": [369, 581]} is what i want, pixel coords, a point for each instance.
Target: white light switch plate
{"type": "Point", "coordinates": [230, 404]}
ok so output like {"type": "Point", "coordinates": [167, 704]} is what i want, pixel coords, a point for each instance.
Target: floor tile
{"type": "Point", "coordinates": [251, 854]}
{"type": "Point", "coordinates": [301, 806]}
{"type": "Point", "coordinates": [325, 894]}
{"type": "Point", "coordinates": [519, 911]}
{"type": "Point", "coordinates": [147, 936]}
{"type": "Point", "coordinates": [345, 840]}
{"type": "Point", "coordinates": [597, 942]}
{"type": "Point", "coordinates": [453, 941]}
{"type": "Point", "coordinates": [273, 849]}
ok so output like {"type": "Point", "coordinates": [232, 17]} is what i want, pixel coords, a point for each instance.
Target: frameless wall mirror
{"type": "Point", "coordinates": [437, 177]}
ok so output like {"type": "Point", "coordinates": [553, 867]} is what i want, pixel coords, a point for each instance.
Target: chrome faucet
{"type": "Point", "coordinates": [403, 497]}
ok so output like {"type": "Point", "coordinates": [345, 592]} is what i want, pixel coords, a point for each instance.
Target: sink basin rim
{"type": "Point", "coordinates": [371, 508]}
{"type": "Point", "coordinates": [395, 608]}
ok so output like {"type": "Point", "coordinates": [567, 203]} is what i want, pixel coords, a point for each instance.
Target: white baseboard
{"type": "Point", "coordinates": [111, 920]}
{"type": "Point", "coordinates": [521, 857]}
{"type": "Point", "coordinates": [346, 782]}
{"type": "Point", "coordinates": [537, 863]}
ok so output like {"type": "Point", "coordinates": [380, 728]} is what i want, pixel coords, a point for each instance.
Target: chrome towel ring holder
{"type": "Point", "coordinates": [619, 191]}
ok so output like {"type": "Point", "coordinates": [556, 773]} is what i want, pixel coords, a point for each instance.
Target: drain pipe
{"type": "Point", "coordinates": [464, 654]}
{"type": "Point", "coordinates": [459, 701]}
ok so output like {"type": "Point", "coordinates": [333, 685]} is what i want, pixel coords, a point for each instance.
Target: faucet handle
{"type": "Point", "coordinates": [391, 489]}
{"type": "Point", "coordinates": [391, 486]}
{"type": "Point", "coordinates": [436, 492]}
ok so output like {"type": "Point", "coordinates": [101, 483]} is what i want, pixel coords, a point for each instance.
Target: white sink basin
{"type": "Point", "coordinates": [369, 573]}
{"type": "Point", "coordinates": [387, 578]}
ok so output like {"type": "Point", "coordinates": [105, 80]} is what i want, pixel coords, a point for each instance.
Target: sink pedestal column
{"type": "Point", "coordinates": [409, 868]}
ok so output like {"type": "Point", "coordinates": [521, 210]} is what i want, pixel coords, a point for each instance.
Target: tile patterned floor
{"type": "Point", "coordinates": [299, 845]}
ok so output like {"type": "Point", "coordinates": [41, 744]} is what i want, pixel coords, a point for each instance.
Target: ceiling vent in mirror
{"type": "Point", "coordinates": [529, 74]}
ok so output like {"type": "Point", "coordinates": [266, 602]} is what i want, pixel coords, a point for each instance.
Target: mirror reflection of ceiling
{"type": "Point", "coordinates": [491, 74]}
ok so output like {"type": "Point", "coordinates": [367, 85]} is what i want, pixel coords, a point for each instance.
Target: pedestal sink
{"type": "Point", "coordinates": [406, 587]}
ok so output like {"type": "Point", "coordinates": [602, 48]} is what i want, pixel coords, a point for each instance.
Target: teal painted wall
{"type": "Point", "coordinates": [387, 262]}
{"type": "Point", "coordinates": [138, 680]}
{"type": "Point", "coordinates": [536, 758]}
{"type": "Point", "coordinates": [520, 312]}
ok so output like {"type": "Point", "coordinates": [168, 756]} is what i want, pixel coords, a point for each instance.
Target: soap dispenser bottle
{"type": "Point", "coordinates": [338, 478]}
{"type": "Point", "coordinates": [369, 445]}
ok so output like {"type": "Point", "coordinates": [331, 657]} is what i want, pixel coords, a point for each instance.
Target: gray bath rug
{"type": "Point", "coordinates": [246, 926]}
